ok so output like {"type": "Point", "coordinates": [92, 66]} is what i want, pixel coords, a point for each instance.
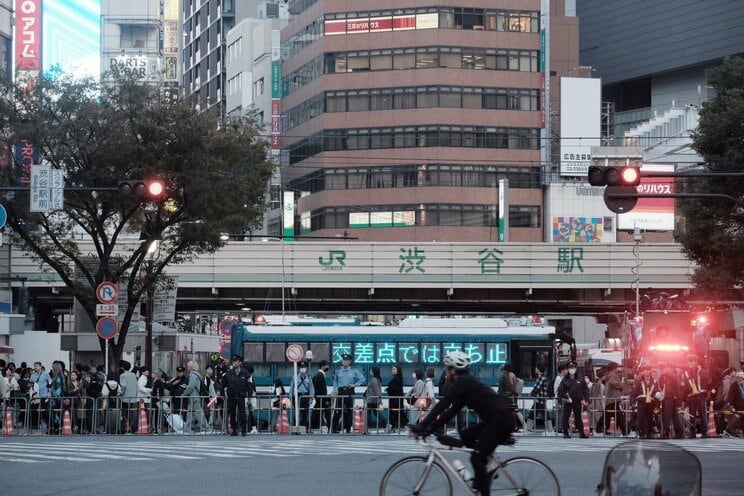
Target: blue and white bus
{"type": "Point", "coordinates": [414, 343]}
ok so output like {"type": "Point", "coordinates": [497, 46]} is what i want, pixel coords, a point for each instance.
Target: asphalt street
{"type": "Point", "coordinates": [289, 465]}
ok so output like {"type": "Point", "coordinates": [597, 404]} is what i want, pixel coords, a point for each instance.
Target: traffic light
{"type": "Point", "coordinates": [628, 175]}
{"type": "Point", "coordinates": [152, 189]}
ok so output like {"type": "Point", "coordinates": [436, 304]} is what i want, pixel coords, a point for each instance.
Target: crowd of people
{"type": "Point", "coordinates": [663, 402]}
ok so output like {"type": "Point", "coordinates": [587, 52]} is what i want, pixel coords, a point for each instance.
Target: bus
{"type": "Point", "coordinates": [413, 343]}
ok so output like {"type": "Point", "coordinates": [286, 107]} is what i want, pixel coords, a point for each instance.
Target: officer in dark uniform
{"type": "Point", "coordinates": [235, 382]}
{"type": "Point", "coordinates": [644, 394]}
{"type": "Point", "coordinates": [696, 381]}
{"type": "Point", "coordinates": [670, 399]}
{"type": "Point", "coordinates": [575, 393]}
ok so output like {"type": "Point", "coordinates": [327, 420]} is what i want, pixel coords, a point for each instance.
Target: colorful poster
{"type": "Point", "coordinates": [577, 229]}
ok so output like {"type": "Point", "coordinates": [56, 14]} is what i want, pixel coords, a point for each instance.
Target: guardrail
{"type": "Point", "coordinates": [332, 414]}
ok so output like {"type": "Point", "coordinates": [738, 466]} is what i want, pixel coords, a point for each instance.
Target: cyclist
{"type": "Point", "coordinates": [495, 414]}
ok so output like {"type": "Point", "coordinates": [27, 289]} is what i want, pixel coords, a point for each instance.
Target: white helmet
{"type": "Point", "coordinates": [458, 360]}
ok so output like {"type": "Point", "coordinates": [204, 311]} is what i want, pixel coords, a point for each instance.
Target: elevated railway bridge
{"type": "Point", "coordinates": [405, 278]}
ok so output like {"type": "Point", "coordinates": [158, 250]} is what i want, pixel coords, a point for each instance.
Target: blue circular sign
{"type": "Point", "coordinates": [3, 216]}
{"type": "Point", "coordinates": [106, 327]}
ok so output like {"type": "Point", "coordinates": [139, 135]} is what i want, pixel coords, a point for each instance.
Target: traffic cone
{"type": "Point", "coordinates": [572, 424]}
{"type": "Point", "coordinates": [66, 424]}
{"type": "Point", "coordinates": [8, 426]}
{"type": "Point", "coordinates": [585, 421]}
{"type": "Point", "coordinates": [712, 432]}
{"type": "Point", "coordinates": [282, 427]}
{"type": "Point", "coordinates": [613, 426]}
{"type": "Point", "coordinates": [144, 426]}
{"type": "Point", "coordinates": [358, 421]}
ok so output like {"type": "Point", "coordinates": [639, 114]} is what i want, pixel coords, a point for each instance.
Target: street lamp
{"type": "Point", "coordinates": [281, 241]}
{"type": "Point", "coordinates": [152, 250]}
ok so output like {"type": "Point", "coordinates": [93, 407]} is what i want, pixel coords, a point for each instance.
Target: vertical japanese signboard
{"type": "Point", "coordinates": [27, 65]}
{"type": "Point", "coordinates": [170, 42]}
{"type": "Point", "coordinates": [276, 96]}
{"type": "Point", "coordinates": [47, 189]}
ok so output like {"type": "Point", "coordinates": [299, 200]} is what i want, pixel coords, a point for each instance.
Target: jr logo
{"type": "Point", "coordinates": [333, 256]}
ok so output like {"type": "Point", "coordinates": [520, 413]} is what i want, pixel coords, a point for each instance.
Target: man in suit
{"type": "Point", "coordinates": [322, 411]}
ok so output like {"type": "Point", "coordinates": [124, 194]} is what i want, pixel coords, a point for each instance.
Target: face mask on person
{"type": "Point", "coordinates": [303, 370]}
{"type": "Point", "coordinates": [572, 371]}
{"type": "Point", "coordinates": [413, 375]}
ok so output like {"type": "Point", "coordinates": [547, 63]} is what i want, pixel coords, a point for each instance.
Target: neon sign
{"type": "Point", "coordinates": [418, 353]}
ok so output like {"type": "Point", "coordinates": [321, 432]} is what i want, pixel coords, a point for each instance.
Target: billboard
{"type": "Point", "coordinates": [577, 229]}
{"type": "Point", "coordinates": [652, 214]}
{"type": "Point", "coordinates": [72, 36]}
{"type": "Point", "coordinates": [580, 123]}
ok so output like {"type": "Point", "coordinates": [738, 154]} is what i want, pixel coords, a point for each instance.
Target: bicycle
{"type": "Point", "coordinates": [432, 474]}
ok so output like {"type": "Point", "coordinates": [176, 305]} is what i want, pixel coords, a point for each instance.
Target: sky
{"type": "Point", "coordinates": [72, 36]}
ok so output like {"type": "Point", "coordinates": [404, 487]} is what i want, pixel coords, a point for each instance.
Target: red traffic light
{"type": "Point", "coordinates": [152, 189]}
{"type": "Point", "coordinates": [629, 175]}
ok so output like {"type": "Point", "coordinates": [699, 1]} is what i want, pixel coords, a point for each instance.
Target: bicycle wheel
{"type": "Point", "coordinates": [524, 475]}
{"type": "Point", "coordinates": [402, 478]}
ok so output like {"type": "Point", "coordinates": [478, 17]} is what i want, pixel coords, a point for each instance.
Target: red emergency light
{"type": "Point", "coordinates": [668, 348]}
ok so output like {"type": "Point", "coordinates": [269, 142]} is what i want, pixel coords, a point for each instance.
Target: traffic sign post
{"type": "Point", "coordinates": [106, 328]}
{"type": "Point", "coordinates": [294, 354]}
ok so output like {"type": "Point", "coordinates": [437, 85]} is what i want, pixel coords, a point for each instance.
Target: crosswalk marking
{"type": "Point", "coordinates": [34, 450]}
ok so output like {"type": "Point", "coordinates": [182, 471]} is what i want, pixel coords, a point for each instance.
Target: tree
{"type": "Point", "coordinates": [98, 134]}
{"type": "Point", "coordinates": [714, 228]}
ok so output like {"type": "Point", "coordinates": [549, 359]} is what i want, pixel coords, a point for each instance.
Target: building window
{"type": "Point", "coordinates": [524, 216]}
{"type": "Point", "coordinates": [258, 87]}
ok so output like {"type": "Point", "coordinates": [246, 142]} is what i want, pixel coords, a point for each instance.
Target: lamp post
{"type": "Point", "coordinates": [152, 248]}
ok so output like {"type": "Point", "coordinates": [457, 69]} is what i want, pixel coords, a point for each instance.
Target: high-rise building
{"type": "Point", "coordinates": [400, 120]}
{"type": "Point", "coordinates": [205, 27]}
{"type": "Point", "coordinates": [652, 56]}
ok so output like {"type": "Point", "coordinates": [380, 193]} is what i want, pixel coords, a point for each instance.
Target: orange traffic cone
{"type": "Point", "coordinates": [585, 421]}
{"type": "Point", "coordinates": [613, 426]}
{"type": "Point", "coordinates": [712, 422]}
{"type": "Point", "coordinates": [358, 421]}
{"type": "Point", "coordinates": [144, 426]}
{"type": "Point", "coordinates": [571, 423]}
{"type": "Point", "coordinates": [66, 424]}
{"type": "Point", "coordinates": [282, 427]}
{"type": "Point", "coordinates": [8, 426]}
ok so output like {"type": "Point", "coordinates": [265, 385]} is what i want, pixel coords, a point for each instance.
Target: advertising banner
{"type": "Point", "coordinates": [652, 214]}
{"type": "Point", "coordinates": [164, 300]}
{"type": "Point", "coordinates": [28, 35]}
{"type": "Point", "coordinates": [577, 229]}
{"type": "Point", "coordinates": [580, 123]}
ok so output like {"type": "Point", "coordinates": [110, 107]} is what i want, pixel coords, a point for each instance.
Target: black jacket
{"type": "Point", "coordinates": [468, 391]}
{"type": "Point", "coordinates": [395, 386]}
{"type": "Point", "coordinates": [575, 388]}
{"type": "Point", "coordinates": [319, 384]}
{"type": "Point", "coordinates": [236, 383]}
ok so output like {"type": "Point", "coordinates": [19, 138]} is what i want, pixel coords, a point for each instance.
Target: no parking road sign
{"type": "Point", "coordinates": [107, 327]}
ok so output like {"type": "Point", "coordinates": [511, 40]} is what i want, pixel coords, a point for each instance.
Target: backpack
{"type": "Point", "coordinates": [203, 388]}
{"type": "Point", "coordinates": [95, 385]}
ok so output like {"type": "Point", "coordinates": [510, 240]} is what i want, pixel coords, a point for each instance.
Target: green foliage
{"type": "Point", "coordinates": [714, 228]}
{"type": "Point", "coordinates": [100, 133]}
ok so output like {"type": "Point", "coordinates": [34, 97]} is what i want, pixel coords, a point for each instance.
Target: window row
{"type": "Point", "coordinates": [412, 176]}
{"type": "Point", "coordinates": [414, 97]}
{"type": "Point", "coordinates": [437, 215]}
{"type": "Point", "coordinates": [308, 35]}
{"type": "Point", "coordinates": [412, 58]}
{"type": "Point", "coordinates": [494, 59]}
{"type": "Point", "coordinates": [515, 138]}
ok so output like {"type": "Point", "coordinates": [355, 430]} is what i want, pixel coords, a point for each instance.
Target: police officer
{"type": "Point", "coordinates": [235, 382]}
{"type": "Point", "coordinates": [696, 382]}
{"type": "Point", "coordinates": [346, 379]}
{"type": "Point", "coordinates": [575, 393]}
{"type": "Point", "coordinates": [644, 393]}
{"type": "Point", "coordinates": [305, 392]}
{"type": "Point", "coordinates": [670, 397]}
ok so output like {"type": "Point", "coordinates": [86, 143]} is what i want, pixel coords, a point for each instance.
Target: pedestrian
{"type": "Point", "coordinates": [575, 395]}
{"type": "Point", "coordinates": [305, 392]}
{"type": "Point", "coordinates": [235, 384]}
{"type": "Point", "coordinates": [736, 399]}
{"type": "Point", "coordinates": [613, 390]}
{"type": "Point", "coordinates": [398, 414]}
{"type": "Point", "coordinates": [9, 390]}
{"type": "Point", "coordinates": [176, 385]}
{"type": "Point", "coordinates": [510, 386]}
{"type": "Point", "coordinates": [129, 395]}
{"type": "Point", "coordinates": [195, 420]}
{"type": "Point", "coordinates": [373, 396]}
{"type": "Point", "coordinates": [72, 401]}
{"type": "Point", "coordinates": [540, 393]}
{"type": "Point", "coordinates": [144, 386]}
{"type": "Point", "coordinates": [157, 393]}
{"type": "Point", "coordinates": [322, 411]}
{"type": "Point", "coordinates": [417, 397]}
{"type": "Point", "coordinates": [40, 380]}
{"type": "Point", "coordinates": [208, 381]}
{"type": "Point", "coordinates": [250, 400]}
{"type": "Point", "coordinates": [280, 402]}
{"type": "Point", "coordinates": [111, 402]}
{"type": "Point", "coordinates": [346, 379]}
{"type": "Point", "coordinates": [562, 371]}
{"type": "Point", "coordinates": [57, 387]}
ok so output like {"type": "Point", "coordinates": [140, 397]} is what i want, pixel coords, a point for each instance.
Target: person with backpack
{"type": "Point", "coordinates": [195, 391]}
{"type": "Point", "coordinates": [111, 403]}
{"type": "Point", "coordinates": [93, 384]}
